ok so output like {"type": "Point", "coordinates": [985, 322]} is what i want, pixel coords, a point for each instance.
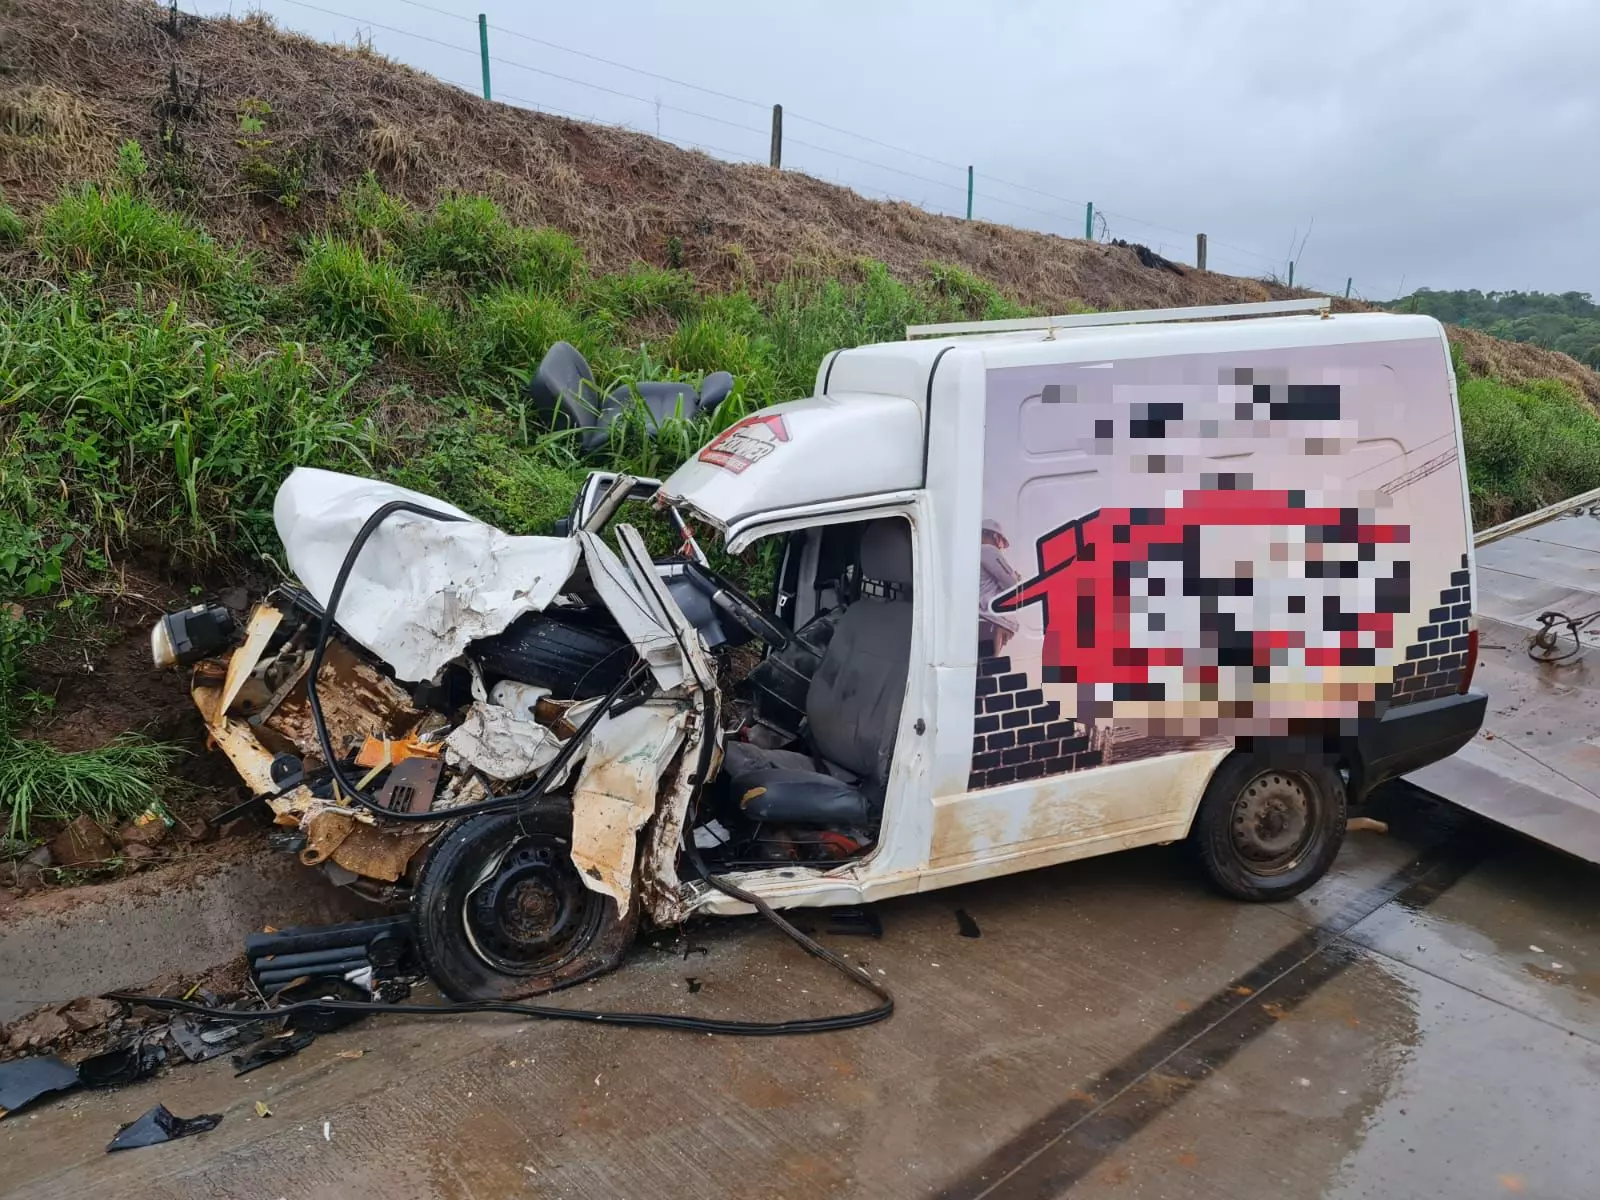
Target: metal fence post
{"type": "Point", "coordinates": [1291, 272]}
{"type": "Point", "coordinates": [776, 159]}
{"type": "Point", "coordinates": [1349, 279]}
{"type": "Point", "coordinates": [969, 193]}
{"type": "Point", "coordinates": [1200, 251]}
{"type": "Point", "coordinates": [1088, 221]}
{"type": "Point", "coordinates": [483, 50]}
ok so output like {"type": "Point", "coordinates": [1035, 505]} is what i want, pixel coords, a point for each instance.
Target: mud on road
{"type": "Point", "coordinates": [1424, 1022]}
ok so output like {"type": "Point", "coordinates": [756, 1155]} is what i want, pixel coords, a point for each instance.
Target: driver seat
{"type": "Point", "coordinates": [852, 706]}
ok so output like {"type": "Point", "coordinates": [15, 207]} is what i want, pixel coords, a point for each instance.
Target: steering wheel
{"type": "Point", "coordinates": [736, 604]}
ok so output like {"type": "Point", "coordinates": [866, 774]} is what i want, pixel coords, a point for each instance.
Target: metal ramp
{"type": "Point", "coordinates": [1535, 765]}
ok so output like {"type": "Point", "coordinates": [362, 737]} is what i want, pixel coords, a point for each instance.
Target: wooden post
{"type": "Point", "coordinates": [969, 193]}
{"type": "Point", "coordinates": [483, 51]}
{"type": "Point", "coordinates": [775, 161]}
{"type": "Point", "coordinates": [1200, 251]}
{"type": "Point", "coordinates": [1349, 279]}
{"type": "Point", "coordinates": [1088, 221]}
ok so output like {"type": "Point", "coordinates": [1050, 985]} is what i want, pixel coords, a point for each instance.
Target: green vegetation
{"type": "Point", "coordinates": [1526, 446]}
{"type": "Point", "coordinates": [1569, 322]}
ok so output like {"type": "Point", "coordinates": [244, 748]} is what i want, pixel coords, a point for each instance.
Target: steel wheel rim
{"type": "Point", "coordinates": [1274, 821]}
{"type": "Point", "coordinates": [530, 913]}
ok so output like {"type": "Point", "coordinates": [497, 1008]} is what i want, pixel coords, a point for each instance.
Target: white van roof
{"type": "Point", "coordinates": [863, 432]}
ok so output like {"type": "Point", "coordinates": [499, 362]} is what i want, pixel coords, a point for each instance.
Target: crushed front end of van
{"type": "Point", "coordinates": [474, 724]}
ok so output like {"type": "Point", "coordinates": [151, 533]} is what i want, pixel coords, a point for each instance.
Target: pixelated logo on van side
{"type": "Point", "coordinates": [1230, 598]}
{"type": "Point", "coordinates": [746, 442]}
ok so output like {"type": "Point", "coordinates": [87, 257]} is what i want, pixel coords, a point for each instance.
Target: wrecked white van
{"type": "Point", "coordinates": [1044, 589]}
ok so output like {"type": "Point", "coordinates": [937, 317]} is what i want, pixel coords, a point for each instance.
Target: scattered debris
{"type": "Point", "coordinates": [285, 1045]}
{"type": "Point", "coordinates": [350, 1054]}
{"type": "Point", "coordinates": [160, 1125]}
{"type": "Point", "coordinates": [135, 1059]}
{"type": "Point", "coordinates": [262, 1110]}
{"type": "Point", "coordinates": [24, 1080]}
{"type": "Point", "coordinates": [1366, 825]}
{"type": "Point", "coordinates": [199, 1040]}
{"type": "Point", "coordinates": [323, 1020]}
{"type": "Point", "coordinates": [694, 983]}
{"type": "Point", "coordinates": [38, 1029]}
{"type": "Point", "coordinates": [965, 925]}
{"type": "Point", "coordinates": [327, 1131]}
{"type": "Point", "coordinates": [89, 1012]}
{"type": "Point", "coordinates": [82, 844]}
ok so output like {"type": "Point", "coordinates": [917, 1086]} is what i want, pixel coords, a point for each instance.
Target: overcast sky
{"type": "Point", "coordinates": [1421, 144]}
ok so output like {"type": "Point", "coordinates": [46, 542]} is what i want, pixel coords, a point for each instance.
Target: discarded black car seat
{"type": "Point", "coordinates": [564, 393]}
{"type": "Point", "coordinates": [852, 705]}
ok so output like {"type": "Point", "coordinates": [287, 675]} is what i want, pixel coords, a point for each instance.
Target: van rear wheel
{"type": "Point", "coordinates": [1269, 826]}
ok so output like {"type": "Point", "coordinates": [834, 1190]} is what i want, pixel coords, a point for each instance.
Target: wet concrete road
{"type": "Point", "coordinates": [1424, 1023]}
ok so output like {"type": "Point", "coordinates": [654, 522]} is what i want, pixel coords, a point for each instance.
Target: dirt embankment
{"type": "Point", "coordinates": [81, 75]}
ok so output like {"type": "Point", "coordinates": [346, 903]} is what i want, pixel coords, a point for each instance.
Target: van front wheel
{"type": "Point", "coordinates": [1269, 827]}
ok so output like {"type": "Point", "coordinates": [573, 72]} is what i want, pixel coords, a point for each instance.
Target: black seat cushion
{"type": "Point", "coordinates": [563, 390]}
{"type": "Point", "coordinates": [661, 402]}
{"type": "Point", "coordinates": [787, 797]}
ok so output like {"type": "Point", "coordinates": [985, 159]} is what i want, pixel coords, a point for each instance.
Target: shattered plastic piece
{"type": "Point", "coordinates": [160, 1125]}
{"type": "Point", "coordinates": [492, 739]}
{"type": "Point", "coordinates": [124, 1064]}
{"type": "Point", "coordinates": [24, 1080]}
{"type": "Point", "coordinates": [422, 589]}
{"type": "Point", "coordinates": [262, 1110]}
{"type": "Point", "coordinates": [199, 1041]}
{"type": "Point", "coordinates": [270, 1051]}
{"type": "Point", "coordinates": [323, 1020]}
{"type": "Point", "coordinates": [858, 922]}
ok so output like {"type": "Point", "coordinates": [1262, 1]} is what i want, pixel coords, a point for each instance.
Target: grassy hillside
{"type": "Point", "coordinates": [316, 257]}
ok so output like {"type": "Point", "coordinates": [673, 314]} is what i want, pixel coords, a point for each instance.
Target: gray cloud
{"type": "Point", "coordinates": [1435, 143]}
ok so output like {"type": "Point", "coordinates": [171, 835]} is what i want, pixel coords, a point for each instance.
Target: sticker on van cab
{"type": "Point", "coordinates": [746, 442]}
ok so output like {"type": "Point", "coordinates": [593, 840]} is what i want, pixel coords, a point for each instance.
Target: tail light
{"type": "Point", "coordinates": [1472, 660]}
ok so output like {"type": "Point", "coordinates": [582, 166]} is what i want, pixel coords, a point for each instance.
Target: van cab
{"type": "Point", "coordinates": [1087, 583]}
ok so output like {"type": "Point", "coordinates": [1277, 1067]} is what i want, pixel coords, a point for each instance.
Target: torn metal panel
{"type": "Point", "coordinates": [264, 622]}
{"type": "Point", "coordinates": [499, 744]}
{"type": "Point", "coordinates": [616, 794]}
{"type": "Point", "coordinates": [659, 874]}
{"type": "Point", "coordinates": [639, 617]}
{"type": "Point", "coordinates": [421, 590]}
{"type": "Point", "coordinates": [358, 702]}
{"type": "Point", "coordinates": [382, 852]}
{"type": "Point", "coordinates": [238, 741]}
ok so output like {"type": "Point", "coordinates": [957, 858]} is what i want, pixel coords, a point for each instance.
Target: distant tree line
{"type": "Point", "coordinates": [1569, 322]}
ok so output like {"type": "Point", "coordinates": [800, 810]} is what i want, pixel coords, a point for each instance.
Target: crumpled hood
{"type": "Point", "coordinates": [421, 590]}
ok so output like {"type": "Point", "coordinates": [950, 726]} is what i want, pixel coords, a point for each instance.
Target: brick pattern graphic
{"type": "Point", "coordinates": [1436, 661]}
{"type": "Point", "coordinates": [1018, 734]}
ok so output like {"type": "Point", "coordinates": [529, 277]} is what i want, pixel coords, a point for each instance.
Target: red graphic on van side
{"type": "Point", "coordinates": [1126, 593]}
{"type": "Point", "coordinates": [746, 442]}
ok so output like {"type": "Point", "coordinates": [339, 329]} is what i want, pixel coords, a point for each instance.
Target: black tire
{"type": "Point", "coordinates": [574, 655]}
{"type": "Point", "coordinates": [529, 926]}
{"type": "Point", "coordinates": [1269, 825]}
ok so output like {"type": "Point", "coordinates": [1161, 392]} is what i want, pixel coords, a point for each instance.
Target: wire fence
{"type": "Point", "coordinates": [874, 166]}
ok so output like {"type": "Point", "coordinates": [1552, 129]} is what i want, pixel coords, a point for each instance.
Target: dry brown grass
{"type": "Point", "coordinates": [104, 65]}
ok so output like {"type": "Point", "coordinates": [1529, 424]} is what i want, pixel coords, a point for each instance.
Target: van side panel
{"type": "Point", "coordinates": [1181, 550]}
